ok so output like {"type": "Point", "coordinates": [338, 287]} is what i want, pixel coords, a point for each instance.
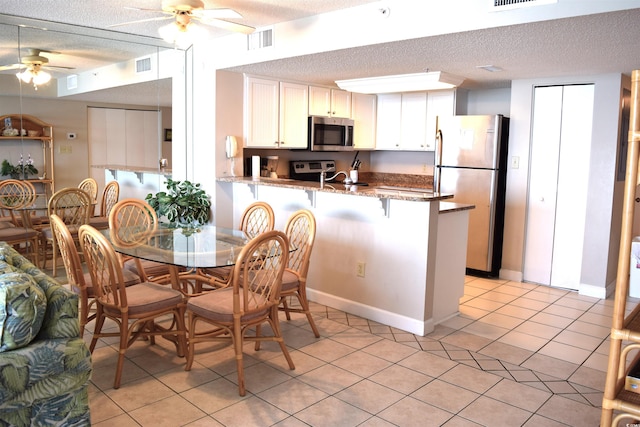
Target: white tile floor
{"type": "Point", "coordinates": [517, 355]}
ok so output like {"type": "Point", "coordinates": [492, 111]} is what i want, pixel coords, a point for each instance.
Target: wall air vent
{"type": "Point", "coordinates": [499, 5]}
{"type": "Point", "coordinates": [143, 65]}
{"type": "Point", "coordinates": [260, 39]}
{"type": "Point", "coordinates": [72, 82]}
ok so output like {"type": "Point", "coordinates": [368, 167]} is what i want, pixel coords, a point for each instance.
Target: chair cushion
{"type": "Point", "coordinates": [99, 222]}
{"type": "Point", "coordinates": [147, 297]}
{"type": "Point", "coordinates": [130, 278]}
{"type": "Point", "coordinates": [12, 234]}
{"type": "Point", "coordinates": [151, 268]}
{"type": "Point", "coordinates": [218, 306]}
{"type": "Point", "coordinates": [290, 281]}
{"type": "Point", "coordinates": [22, 308]}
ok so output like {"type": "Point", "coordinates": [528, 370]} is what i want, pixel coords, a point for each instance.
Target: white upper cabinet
{"type": "Point", "coordinates": [363, 113]}
{"type": "Point", "coordinates": [407, 121]}
{"type": "Point", "coordinates": [294, 115]}
{"type": "Point", "coordinates": [276, 114]}
{"type": "Point", "coordinates": [329, 102]}
{"type": "Point", "coordinates": [389, 121]}
{"type": "Point", "coordinates": [413, 121]}
{"type": "Point", "coordinates": [439, 103]}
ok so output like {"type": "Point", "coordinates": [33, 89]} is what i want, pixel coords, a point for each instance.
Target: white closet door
{"type": "Point", "coordinates": [573, 179]}
{"type": "Point", "coordinates": [545, 151]}
{"type": "Point", "coordinates": [558, 183]}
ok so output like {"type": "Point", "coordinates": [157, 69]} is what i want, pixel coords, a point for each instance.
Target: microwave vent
{"type": "Point", "coordinates": [260, 39]}
{"type": "Point", "coordinates": [499, 5]}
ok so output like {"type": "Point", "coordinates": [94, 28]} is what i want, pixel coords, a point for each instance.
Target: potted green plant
{"type": "Point", "coordinates": [22, 170]}
{"type": "Point", "coordinates": [184, 204]}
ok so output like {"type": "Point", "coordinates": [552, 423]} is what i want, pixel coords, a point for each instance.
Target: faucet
{"type": "Point", "coordinates": [323, 178]}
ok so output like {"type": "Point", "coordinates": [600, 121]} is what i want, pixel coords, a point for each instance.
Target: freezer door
{"type": "Point", "coordinates": [476, 187]}
{"type": "Point", "coordinates": [469, 141]}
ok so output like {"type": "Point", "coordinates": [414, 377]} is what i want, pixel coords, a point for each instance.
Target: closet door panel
{"type": "Point", "coordinates": [573, 177]}
{"type": "Point", "coordinates": [541, 211]}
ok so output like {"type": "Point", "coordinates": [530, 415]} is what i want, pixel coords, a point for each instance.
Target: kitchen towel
{"type": "Point", "coordinates": [255, 168]}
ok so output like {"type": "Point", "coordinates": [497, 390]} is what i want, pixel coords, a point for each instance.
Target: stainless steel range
{"type": "Point", "coordinates": [309, 170]}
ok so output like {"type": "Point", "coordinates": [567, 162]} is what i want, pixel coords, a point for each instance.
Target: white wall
{"type": "Point", "coordinates": [599, 240]}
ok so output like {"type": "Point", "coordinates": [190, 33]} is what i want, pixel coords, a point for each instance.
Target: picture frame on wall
{"type": "Point", "coordinates": [167, 135]}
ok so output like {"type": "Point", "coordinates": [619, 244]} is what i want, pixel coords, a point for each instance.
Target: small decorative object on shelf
{"type": "Point", "coordinates": [184, 204]}
{"type": "Point", "coordinates": [21, 171]}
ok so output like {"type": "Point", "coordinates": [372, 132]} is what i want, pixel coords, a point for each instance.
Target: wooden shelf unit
{"type": "Point", "coordinates": [23, 145]}
{"type": "Point", "coordinates": [625, 329]}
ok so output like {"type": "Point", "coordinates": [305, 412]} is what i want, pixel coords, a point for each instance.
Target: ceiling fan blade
{"type": "Point", "coordinates": [11, 67]}
{"type": "Point", "coordinates": [144, 9]}
{"type": "Point", "coordinates": [226, 25]}
{"type": "Point", "coordinates": [160, 18]}
{"type": "Point", "coordinates": [219, 13]}
{"type": "Point", "coordinates": [58, 67]}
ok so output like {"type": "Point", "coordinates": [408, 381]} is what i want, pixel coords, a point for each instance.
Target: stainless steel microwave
{"type": "Point", "coordinates": [330, 134]}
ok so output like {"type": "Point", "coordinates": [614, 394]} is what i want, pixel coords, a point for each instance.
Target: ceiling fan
{"type": "Point", "coordinates": [34, 64]}
{"type": "Point", "coordinates": [184, 12]}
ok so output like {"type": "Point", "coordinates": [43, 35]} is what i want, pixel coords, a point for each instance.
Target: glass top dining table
{"type": "Point", "coordinates": [208, 247]}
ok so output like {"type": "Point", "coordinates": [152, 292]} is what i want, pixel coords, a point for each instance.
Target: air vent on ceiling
{"type": "Point", "coordinates": [260, 39]}
{"type": "Point", "coordinates": [497, 5]}
{"type": "Point", "coordinates": [143, 65]}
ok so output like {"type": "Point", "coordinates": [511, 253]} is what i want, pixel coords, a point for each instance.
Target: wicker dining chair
{"type": "Point", "coordinates": [257, 218]}
{"type": "Point", "coordinates": [14, 195]}
{"type": "Point", "coordinates": [73, 205]}
{"type": "Point", "coordinates": [79, 281]}
{"type": "Point", "coordinates": [301, 231]}
{"type": "Point", "coordinates": [91, 187]}
{"type": "Point", "coordinates": [127, 218]}
{"type": "Point", "coordinates": [110, 197]}
{"type": "Point", "coordinates": [134, 309]}
{"type": "Point", "coordinates": [251, 299]}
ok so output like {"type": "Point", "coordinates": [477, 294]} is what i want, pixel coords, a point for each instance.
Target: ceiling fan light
{"type": "Point", "coordinates": [41, 77]}
{"type": "Point", "coordinates": [182, 35]}
{"type": "Point", "coordinates": [25, 76]}
{"type": "Point", "coordinates": [434, 80]}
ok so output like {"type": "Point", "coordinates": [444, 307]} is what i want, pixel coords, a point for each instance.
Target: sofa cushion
{"type": "Point", "coordinates": [6, 267]}
{"type": "Point", "coordinates": [22, 308]}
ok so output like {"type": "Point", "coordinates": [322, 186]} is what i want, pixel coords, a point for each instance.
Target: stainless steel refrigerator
{"type": "Point", "coordinates": [471, 164]}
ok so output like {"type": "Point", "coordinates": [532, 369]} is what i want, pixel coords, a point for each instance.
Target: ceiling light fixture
{"type": "Point", "coordinates": [182, 32]}
{"type": "Point", "coordinates": [489, 68]}
{"type": "Point", "coordinates": [433, 80]}
{"type": "Point", "coordinates": [35, 74]}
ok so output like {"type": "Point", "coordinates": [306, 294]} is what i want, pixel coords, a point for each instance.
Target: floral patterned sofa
{"type": "Point", "coordinates": [45, 366]}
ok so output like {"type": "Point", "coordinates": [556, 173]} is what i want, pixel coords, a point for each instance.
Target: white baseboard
{"type": "Point", "coordinates": [514, 276]}
{"type": "Point", "coordinates": [592, 291]}
{"type": "Point", "coordinates": [395, 320]}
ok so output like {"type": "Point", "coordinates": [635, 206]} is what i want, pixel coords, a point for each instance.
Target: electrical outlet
{"type": "Point", "coordinates": [360, 269]}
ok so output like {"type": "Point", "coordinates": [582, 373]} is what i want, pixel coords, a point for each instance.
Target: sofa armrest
{"type": "Point", "coordinates": [61, 318]}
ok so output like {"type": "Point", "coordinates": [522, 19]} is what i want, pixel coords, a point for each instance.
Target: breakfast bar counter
{"type": "Point", "coordinates": [376, 249]}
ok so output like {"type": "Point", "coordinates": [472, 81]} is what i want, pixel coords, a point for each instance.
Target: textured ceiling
{"type": "Point", "coordinates": [592, 44]}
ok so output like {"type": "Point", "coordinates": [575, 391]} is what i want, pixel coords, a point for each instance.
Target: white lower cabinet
{"type": "Point", "coordinates": [407, 121]}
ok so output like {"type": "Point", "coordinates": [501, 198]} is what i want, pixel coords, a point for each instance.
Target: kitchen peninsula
{"type": "Point", "coordinates": [135, 181]}
{"type": "Point", "coordinates": [395, 257]}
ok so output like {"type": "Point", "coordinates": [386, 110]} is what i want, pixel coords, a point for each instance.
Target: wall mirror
{"type": "Point", "coordinates": [91, 70]}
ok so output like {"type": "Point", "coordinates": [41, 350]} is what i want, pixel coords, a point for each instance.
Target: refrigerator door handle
{"type": "Point", "coordinates": [438, 160]}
